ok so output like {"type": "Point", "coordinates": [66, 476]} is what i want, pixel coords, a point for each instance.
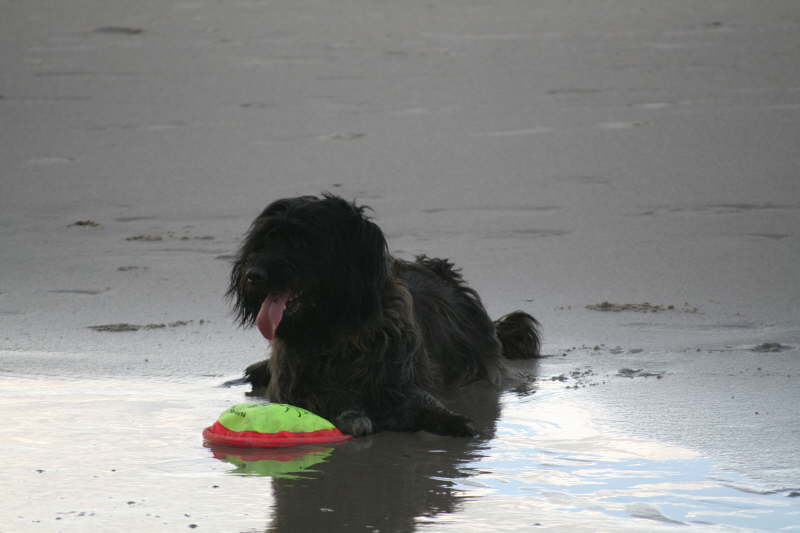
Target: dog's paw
{"type": "Point", "coordinates": [235, 382]}
{"type": "Point", "coordinates": [457, 426]}
{"type": "Point", "coordinates": [355, 423]}
{"type": "Point", "coordinates": [258, 375]}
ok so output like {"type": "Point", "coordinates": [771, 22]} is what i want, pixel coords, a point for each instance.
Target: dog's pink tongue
{"type": "Point", "coordinates": [271, 313]}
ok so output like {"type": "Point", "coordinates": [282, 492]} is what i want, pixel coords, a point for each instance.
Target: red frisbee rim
{"type": "Point", "coordinates": [219, 434]}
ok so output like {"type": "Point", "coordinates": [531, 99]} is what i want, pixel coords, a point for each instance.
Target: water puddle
{"type": "Point", "coordinates": [552, 462]}
{"type": "Point", "coordinates": [102, 454]}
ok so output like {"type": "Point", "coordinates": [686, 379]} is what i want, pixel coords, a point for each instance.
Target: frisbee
{"type": "Point", "coordinates": [270, 425]}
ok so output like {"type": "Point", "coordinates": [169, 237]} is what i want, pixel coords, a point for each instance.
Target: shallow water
{"type": "Point", "coordinates": [102, 454]}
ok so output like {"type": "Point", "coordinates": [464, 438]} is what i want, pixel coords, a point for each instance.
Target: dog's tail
{"type": "Point", "coordinates": [519, 334]}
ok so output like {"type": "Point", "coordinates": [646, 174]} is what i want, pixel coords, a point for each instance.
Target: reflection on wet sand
{"type": "Point", "coordinates": [549, 460]}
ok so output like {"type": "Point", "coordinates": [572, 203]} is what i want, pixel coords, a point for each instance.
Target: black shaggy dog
{"type": "Point", "coordinates": [358, 336]}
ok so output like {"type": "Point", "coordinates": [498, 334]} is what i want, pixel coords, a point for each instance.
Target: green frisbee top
{"type": "Point", "coordinates": [270, 425]}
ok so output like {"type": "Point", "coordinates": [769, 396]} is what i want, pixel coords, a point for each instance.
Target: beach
{"type": "Point", "coordinates": [625, 171]}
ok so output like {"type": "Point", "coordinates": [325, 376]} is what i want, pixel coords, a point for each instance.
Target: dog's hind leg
{"type": "Point", "coordinates": [431, 415]}
{"type": "Point", "coordinates": [443, 268]}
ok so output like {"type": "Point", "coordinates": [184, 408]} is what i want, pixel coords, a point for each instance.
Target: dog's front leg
{"type": "Point", "coordinates": [258, 375]}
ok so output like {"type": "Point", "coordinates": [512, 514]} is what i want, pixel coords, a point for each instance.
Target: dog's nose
{"type": "Point", "coordinates": [256, 275]}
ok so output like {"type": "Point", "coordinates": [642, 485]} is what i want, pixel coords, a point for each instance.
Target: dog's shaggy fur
{"type": "Point", "coordinates": [360, 337]}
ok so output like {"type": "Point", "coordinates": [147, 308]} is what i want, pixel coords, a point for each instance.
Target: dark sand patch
{"type": "Point", "coordinates": [598, 348]}
{"type": "Point", "coordinates": [211, 251]}
{"type": "Point", "coordinates": [771, 347]}
{"type": "Point", "coordinates": [88, 223]}
{"type": "Point", "coordinates": [155, 237]}
{"type": "Point", "coordinates": [744, 207]}
{"type": "Point", "coordinates": [131, 268]}
{"type": "Point", "coordinates": [771, 236]}
{"type": "Point", "coordinates": [88, 292]}
{"type": "Point", "coordinates": [718, 209]}
{"type": "Point", "coordinates": [579, 377]}
{"type": "Point", "coordinates": [118, 30]}
{"type": "Point", "coordinates": [145, 238]}
{"type": "Point", "coordinates": [638, 373]}
{"type": "Point", "coordinates": [195, 238]}
{"type": "Point", "coordinates": [124, 326]}
{"type": "Point", "coordinates": [134, 218]}
{"type": "Point", "coordinates": [644, 307]}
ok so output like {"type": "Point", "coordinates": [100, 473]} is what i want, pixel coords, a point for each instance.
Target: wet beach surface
{"type": "Point", "coordinates": [560, 451]}
{"type": "Point", "coordinates": [624, 171]}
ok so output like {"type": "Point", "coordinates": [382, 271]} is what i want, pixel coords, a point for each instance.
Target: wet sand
{"type": "Point", "coordinates": [625, 171]}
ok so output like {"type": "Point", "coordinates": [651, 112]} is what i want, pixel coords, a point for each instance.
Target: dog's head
{"type": "Point", "coordinates": [310, 267]}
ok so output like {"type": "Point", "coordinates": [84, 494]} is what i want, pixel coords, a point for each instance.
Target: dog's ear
{"type": "Point", "coordinates": [373, 268]}
{"type": "Point", "coordinates": [364, 262]}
